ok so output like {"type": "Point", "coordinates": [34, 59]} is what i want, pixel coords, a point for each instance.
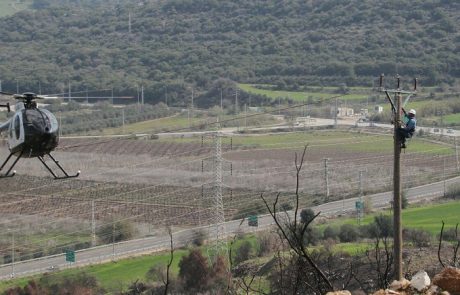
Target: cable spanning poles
{"type": "Point", "coordinates": [397, 108]}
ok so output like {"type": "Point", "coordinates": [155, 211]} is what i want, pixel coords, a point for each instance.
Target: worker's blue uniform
{"type": "Point", "coordinates": [408, 130]}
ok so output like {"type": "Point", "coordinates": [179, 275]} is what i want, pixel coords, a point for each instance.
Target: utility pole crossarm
{"type": "Point", "coordinates": [398, 91]}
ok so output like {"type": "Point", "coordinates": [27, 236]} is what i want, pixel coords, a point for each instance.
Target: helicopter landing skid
{"type": "Point", "coordinates": [59, 166]}
{"type": "Point", "coordinates": [7, 174]}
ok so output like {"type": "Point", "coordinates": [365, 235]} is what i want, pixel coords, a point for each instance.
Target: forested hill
{"type": "Point", "coordinates": [175, 45]}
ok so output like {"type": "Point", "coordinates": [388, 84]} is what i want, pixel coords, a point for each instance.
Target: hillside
{"type": "Point", "coordinates": [179, 44]}
{"type": "Point", "coordinates": [9, 7]}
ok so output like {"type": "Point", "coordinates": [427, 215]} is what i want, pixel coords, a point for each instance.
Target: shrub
{"type": "Point", "coordinates": [306, 215]}
{"type": "Point", "coordinates": [194, 271]}
{"type": "Point", "coordinates": [199, 237]}
{"type": "Point", "coordinates": [382, 227]}
{"type": "Point", "coordinates": [79, 283]}
{"type": "Point", "coordinates": [331, 232]}
{"type": "Point", "coordinates": [156, 273]}
{"type": "Point", "coordinates": [119, 231]}
{"type": "Point", "coordinates": [368, 207]}
{"type": "Point", "coordinates": [348, 233]}
{"type": "Point", "coordinates": [220, 275]}
{"type": "Point", "coordinates": [313, 236]}
{"type": "Point", "coordinates": [267, 244]}
{"type": "Point", "coordinates": [420, 238]}
{"type": "Point", "coordinates": [286, 207]}
{"type": "Point", "coordinates": [453, 191]}
{"type": "Point", "coordinates": [404, 201]}
{"type": "Point", "coordinates": [244, 252]}
{"type": "Point", "coordinates": [449, 235]}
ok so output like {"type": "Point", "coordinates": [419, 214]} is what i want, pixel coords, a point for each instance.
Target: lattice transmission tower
{"type": "Point", "coordinates": [218, 217]}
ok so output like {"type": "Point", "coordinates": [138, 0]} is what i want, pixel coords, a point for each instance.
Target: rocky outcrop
{"type": "Point", "coordinates": [420, 281]}
{"type": "Point", "coordinates": [448, 280]}
{"type": "Point", "coordinates": [339, 293]}
{"type": "Point", "coordinates": [445, 283]}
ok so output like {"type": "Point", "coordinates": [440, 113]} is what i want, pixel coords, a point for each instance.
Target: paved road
{"type": "Point", "coordinates": [152, 244]}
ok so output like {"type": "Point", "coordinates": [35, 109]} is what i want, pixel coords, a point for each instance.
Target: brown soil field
{"type": "Point", "coordinates": [170, 184]}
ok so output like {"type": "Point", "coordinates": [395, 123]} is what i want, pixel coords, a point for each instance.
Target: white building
{"type": "Point", "coordinates": [343, 112]}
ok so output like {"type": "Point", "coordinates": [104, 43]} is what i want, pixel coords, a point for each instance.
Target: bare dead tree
{"type": "Point", "coordinates": [280, 266]}
{"type": "Point", "coordinates": [376, 269]}
{"type": "Point", "coordinates": [338, 266]}
{"type": "Point", "coordinates": [440, 243]}
{"type": "Point", "coordinates": [383, 260]}
{"type": "Point", "coordinates": [455, 260]}
{"type": "Point", "coordinates": [456, 247]}
{"type": "Point", "coordinates": [294, 234]}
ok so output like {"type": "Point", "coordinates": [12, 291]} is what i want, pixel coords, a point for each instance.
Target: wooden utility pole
{"type": "Point", "coordinates": [326, 178]}
{"type": "Point", "coordinates": [397, 108]}
{"type": "Point", "coordinates": [336, 112]}
{"type": "Point", "coordinates": [397, 236]}
{"type": "Point", "coordinates": [456, 154]}
{"type": "Point", "coordinates": [70, 93]}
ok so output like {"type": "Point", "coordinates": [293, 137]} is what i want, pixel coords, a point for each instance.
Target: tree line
{"type": "Point", "coordinates": [174, 46]}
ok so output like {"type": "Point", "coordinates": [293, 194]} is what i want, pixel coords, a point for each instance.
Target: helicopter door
{"type": "Point", "coordinates": [16, 132]}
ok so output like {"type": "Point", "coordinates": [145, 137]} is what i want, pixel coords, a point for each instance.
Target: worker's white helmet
{"type": "Point", "coordinates": [413, 112]}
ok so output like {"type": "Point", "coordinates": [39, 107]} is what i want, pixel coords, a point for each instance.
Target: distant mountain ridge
{"type": "Point", "coordinates": [173, 46]}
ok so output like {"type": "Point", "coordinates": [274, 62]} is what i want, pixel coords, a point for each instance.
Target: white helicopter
{"type": "Point", "coordinates": [32, 133]}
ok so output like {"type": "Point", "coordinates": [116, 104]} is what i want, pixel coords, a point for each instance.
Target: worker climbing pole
{"type": "Point", "coordinates": [397, 108]}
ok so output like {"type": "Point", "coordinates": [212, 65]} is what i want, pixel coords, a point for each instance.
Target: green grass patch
{"type": "Point", "coordinates": [351, 248]}
{"type": "Point", "coordinates": [451, 119]}
{"type": "Point", "coordinates": [129, 270]}
{"type": "Point", "coordinates": [122, 273]}
{"type": "Point", "coordinates": [427, 217]}
{"type": "Point", "coordinates": [285, 140]}
{"type": "Point", "coordinates": [327, 92]}
{"type": "Point", "coordinates": [325, 139]}
{"type": "Point", "coordinates": [21, 282]}
{"type": "Point", "coordinates": [119, 274]}
{"type": "Point", "coordinates": [385, 144]}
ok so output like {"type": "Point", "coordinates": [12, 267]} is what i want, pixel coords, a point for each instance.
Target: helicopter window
{"type": "Point", "coordinates": [17, 127]}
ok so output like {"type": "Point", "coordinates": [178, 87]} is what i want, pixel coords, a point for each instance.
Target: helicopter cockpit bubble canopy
{"type": "Point", "coordinates": [53, 123]}
{"type": "Point", "coordinates": [33, 131]}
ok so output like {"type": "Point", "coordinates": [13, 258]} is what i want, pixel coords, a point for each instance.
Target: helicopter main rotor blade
{"type": "Point", "coordinates": [6, 93]}
{"type": "Point", "coordinates": [47, 97]}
